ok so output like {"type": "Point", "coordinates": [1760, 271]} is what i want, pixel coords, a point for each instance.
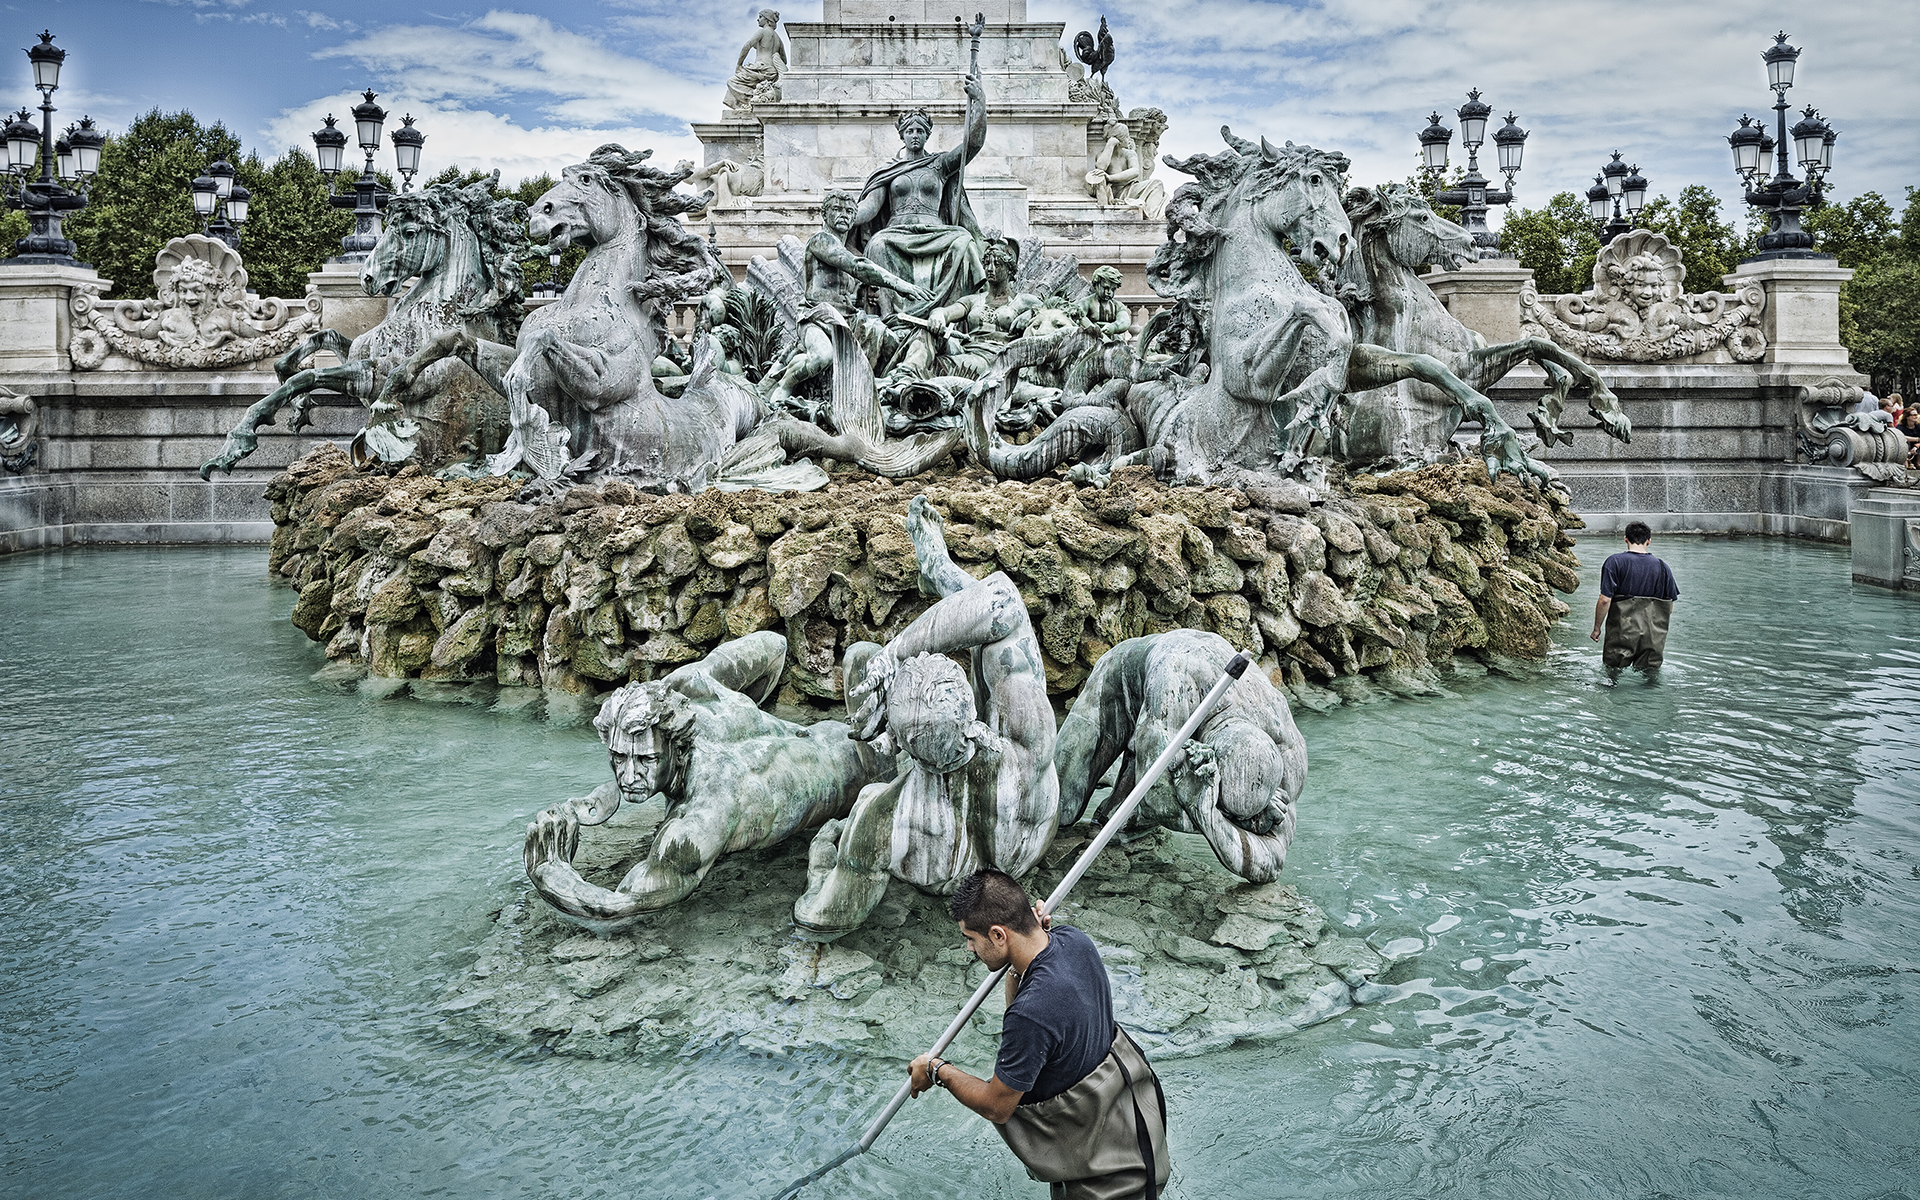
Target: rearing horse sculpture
{"type": "Point", "coordinates": [1281, 352]}
{"type": "Point", "coordinates": [580, 379]}
{"type": "Point", "coordinates": [463, 246]}
{"type": "Point", "coordinates": [1411, 423]}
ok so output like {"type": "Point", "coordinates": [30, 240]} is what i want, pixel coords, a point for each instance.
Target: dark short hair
{"type": "Point", "coordinates": [987, 898]}
{"type": "Point", "coordinates": [1638, 533]}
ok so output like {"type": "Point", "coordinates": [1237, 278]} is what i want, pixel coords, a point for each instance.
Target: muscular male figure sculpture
{"type": "Point", "coordinates": [834, 276]}
{"type": "Point", "coordinates": [1237, 782]}
{"type": "Point", "coordinates": [733, 777]}
{"type": "Point", "coordinates": [975, 793]}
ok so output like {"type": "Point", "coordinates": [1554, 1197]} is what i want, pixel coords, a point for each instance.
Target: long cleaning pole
{"type": "Point", "coordinates": [1108, 832]}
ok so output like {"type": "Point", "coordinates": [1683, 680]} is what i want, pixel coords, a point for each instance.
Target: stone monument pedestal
{"type": "Point", "coordinates": [1886, 539]}
{"type": "Point", "coordinates": [1802, 318]}
{"type": "Point", "coordinates": [344, 305]}
{"type": "Point", "coordinates": [865, 62]}
{"type": "Point", "coordinates": [1484, 296]}
{"type": "Point", "coordinates": [36, 317]}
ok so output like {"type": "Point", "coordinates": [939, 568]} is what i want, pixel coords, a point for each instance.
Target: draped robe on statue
{"type": "Point", "coordinates": [942, 256]}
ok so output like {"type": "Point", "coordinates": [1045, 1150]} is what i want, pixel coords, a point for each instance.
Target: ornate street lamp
{"type": "Point", "coordinates": [45, 200]}
{"type": "Point", "coordinates": [367, 200]}
{"type": "Point", "coordinates": [1770, 185]}
{"type": "Point", "coordinates": [1472, 196]}
{"type": "Point", "coordinates": [329, 147]}
{"type": "Point", "coordinates": [407, 142]}
{"type": "Point", "coordinates": [220, 203]}
{"type": "Point", "coordinates": [1618, 194]}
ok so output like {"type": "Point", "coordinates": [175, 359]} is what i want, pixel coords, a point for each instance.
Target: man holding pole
{"type": "Point", "coordinates": [1070, 1093]}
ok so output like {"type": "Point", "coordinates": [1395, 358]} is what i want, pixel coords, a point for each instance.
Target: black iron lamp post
{"type": "Point", "coordinates": [1473, 196]}
{"type": "Point", "coordinates": [1618, 194]}
{"type": "Point", "coordinates": [221, 203]}
{"type": "Point", "coordinates": [407, 142]}
{"type": "Point", "coordinates": [367, 200]}
{"type": "Point", "coordinates": [45, 200]}
{"type": "Point", "coordinates": [1783, 197]}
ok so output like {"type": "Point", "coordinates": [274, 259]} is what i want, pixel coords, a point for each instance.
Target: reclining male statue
{"type": "Point", "coordinates": [1238, 780]}
{"type": "Point", "coordinates": [979, 789]}
{"type": "Point", "coordinates": [734, 778]}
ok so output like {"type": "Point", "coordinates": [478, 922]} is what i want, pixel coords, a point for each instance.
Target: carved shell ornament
{"type": "Point", "coordinates": [1640, 311]}
{"type": "Point", "coordinates": [202, 317]}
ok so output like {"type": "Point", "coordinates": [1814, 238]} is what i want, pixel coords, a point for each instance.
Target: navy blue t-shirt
{"type": "Point", "coordinates": [1629, 574]}
{"type": "Point", "coordinates": [1060, 1024]}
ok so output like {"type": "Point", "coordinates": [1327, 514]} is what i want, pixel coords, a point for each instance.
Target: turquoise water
{"type": "Point", "coordinates": [1670, 932]}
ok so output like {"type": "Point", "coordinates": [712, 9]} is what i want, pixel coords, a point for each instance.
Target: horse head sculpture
{"type": "Point", "coordinates": [1396, 222]}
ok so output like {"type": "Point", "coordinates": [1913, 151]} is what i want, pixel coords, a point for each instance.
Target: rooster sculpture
{"type": "Point", "coordinates": [1096, 53]}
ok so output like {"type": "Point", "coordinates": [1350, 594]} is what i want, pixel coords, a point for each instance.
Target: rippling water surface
{"type": "Point", "coordinates": [1671, 941]}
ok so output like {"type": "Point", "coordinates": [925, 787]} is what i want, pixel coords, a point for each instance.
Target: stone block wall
{"type": "Point", "coordinates": [119, 456]}
{"type": "Point", "coordinates": [415, 577]}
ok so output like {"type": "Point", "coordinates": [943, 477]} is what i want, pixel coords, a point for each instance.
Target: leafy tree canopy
{"type": "Point", "coordinates": [1556, 242]}
{"type": "Point", "coordinates": [1709, 247]}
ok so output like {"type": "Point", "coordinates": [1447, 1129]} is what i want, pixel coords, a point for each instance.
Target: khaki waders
{"type": "Point", "coordinates": [1104, 1138]}
{"type": "Point", "coordinates": [1636, 634]}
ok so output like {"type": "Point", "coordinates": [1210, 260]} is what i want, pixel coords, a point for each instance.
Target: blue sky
{"type": "Point", "coordinates": [530, 85]}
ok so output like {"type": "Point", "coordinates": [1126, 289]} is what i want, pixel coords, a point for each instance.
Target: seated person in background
{"type": "Point", "coordinates": [1892, 406]}
{"type": "Point", "coordinates": [1910, 429]}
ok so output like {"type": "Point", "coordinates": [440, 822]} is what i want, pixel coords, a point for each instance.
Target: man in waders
{"type": "Point", "coordinates": [1071, 1095]}
{"type": "Point", "coordinates": [1637, 592]}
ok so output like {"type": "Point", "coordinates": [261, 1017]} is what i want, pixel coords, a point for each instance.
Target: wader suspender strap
{"type": "Point", "coordinates": [1140, 1130]}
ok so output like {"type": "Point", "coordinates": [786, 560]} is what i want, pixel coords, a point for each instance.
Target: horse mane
{"type": "Point", "coordinates": [672, 248]}
{"type": "Point", "coordinates": [500, 228]}
{"type": "Point", "coordinates": [1194, 216]}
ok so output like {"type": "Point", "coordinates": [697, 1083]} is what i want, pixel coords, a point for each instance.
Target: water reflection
{"type": "Point", "coordinates": [1666, 934]}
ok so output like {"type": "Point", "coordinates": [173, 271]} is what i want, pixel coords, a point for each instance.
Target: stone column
{"type": "Point", "coordinates": [345, 306]}
{"type": "Point", "coordinates": [1802, 317]}
{"type": "Point", "coordinates": [1484, 296]}
{"type": "Point", "coordinates": [1886, 539]}
{"type": "Point", "coordinates": [35, 320]}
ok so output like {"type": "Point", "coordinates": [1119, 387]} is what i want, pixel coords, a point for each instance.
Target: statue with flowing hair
{"type": "Point", "coordinates": [580, 377]}
{"type": "Point", "coordinates": [733, 777]}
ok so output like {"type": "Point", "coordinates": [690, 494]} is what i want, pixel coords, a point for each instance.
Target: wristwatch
{"type": "Point", "coordinates": [933, 1070]}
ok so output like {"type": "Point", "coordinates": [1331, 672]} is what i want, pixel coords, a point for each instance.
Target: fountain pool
{"type": "Point", "coordinates": [1669, 937]}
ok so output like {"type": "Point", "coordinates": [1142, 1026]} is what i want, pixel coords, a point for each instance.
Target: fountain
{"type": "Point", "coordinates": [322, 885]}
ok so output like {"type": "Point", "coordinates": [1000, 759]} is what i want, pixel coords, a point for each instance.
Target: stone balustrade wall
{"type": "Point", "coordinates": [415, 577]}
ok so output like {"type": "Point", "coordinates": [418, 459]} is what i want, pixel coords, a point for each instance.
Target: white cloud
{"type": "Point", "coordinates": [323, 22]}
{"type": "Point", "coordinates": [474, 138]}
{"type": "Point", "coordinates": [508, 54]}
{"type": "Point", "coordinates": [1661, 82]}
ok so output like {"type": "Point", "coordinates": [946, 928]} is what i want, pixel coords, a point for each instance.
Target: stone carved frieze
{"type": "Point", "coordinates": [19, 422]}
{"type": "Point", "coordinates": [1640, 311]}
{"type": "Point", "coordinates": [1832, 433]}
{"type": "Point", "coordinates": [202, 318]}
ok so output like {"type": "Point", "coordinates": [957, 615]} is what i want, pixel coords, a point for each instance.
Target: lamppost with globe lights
{"type": "Point", "coordinates": [367, 200]}
{"type": "Point", "coordinates": [1618, 194]}
{"type": "Point", "coordinates": [45, 201]}
{"type": "Point", "coordinates": [1783, 197]}
{"type": "Point", "coordinates": [221, 203]}
{"type": "Point", "coordinates": [1472, 196]}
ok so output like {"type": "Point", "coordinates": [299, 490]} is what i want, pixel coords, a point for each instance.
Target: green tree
{"type": "Point", "coordinates": [141, 199]}
{"type": "Point", "coordinates": [1556, 242]}
{"type": "Point", "coordinates": [291, 228]}
{"type": "Point", "coordinates": [1857, 232]}
{"type": "Point", "coordinates": [1881, 319]}
{"type": "Point", "coordinates": [1709, 246]}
